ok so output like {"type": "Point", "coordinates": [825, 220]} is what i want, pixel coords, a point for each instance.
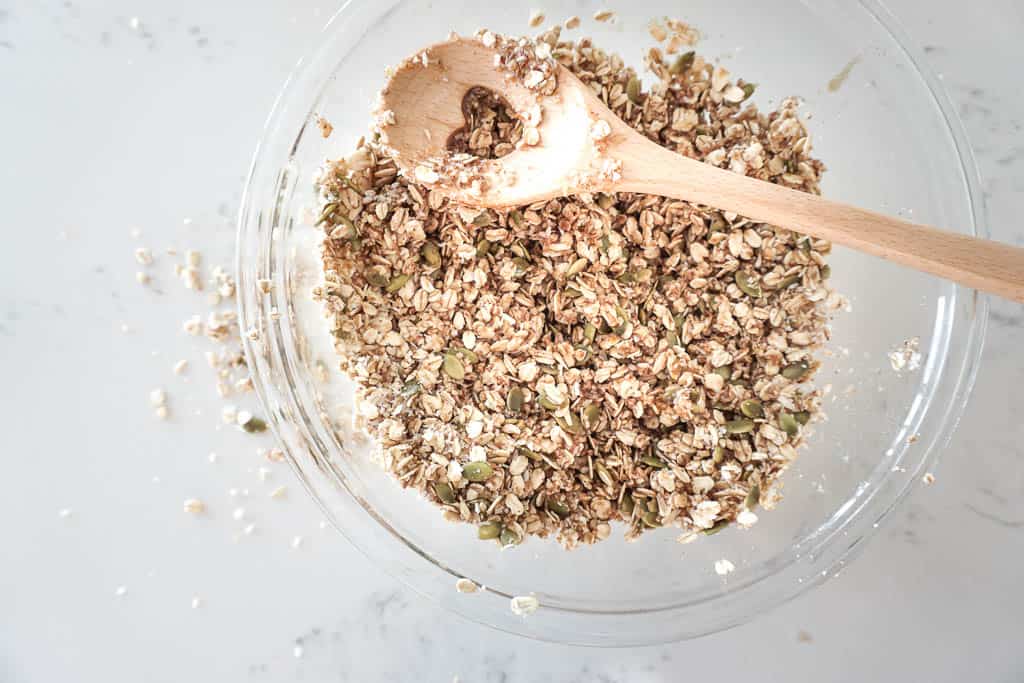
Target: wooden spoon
{"type": "Point", "coordinates": [584, 147]}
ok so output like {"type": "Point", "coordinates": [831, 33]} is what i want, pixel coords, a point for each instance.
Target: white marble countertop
{"type": "Point", "coordinates": [107, 126]}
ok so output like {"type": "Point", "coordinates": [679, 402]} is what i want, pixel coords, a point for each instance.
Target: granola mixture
{"type": "Point", "coordinates": [552, 369]}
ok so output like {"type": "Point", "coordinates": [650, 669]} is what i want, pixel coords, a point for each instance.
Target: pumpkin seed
{"type": "Point", "coordinates": [627, 505]}
{"type": "Point", "coordinates": [255, 425]}
{"type": "Point", "coordinates": [522, 265]}
{"type": "Point", "coordinates": [397, 282]}
{"type": "Point", "coordinates": [788, 281]}
{"type": "Point", "coordinates": [605, 201]}
{"type": "Point", "coordinates": [571, 424]}
{"type": "Point", "coordinates": [453, 367]}
{"type": "Point", "coordinates": [752, 408]}
{"type": "Point", "coordinates": [410, 388]}
{"type": "Point", "coordinates": [482, 248]}
{"type": "Point", "coordinates": [740, 426]}
{"type": "Point", "coordinates": [444, 492]}
{"type": "Point", "coordinates": [523, 450]}
{"type": "Point", "coordinates": [591, 414]}
{"type": "Point", "coordinates": [589, 332]}
{"type": "Point", "coordinates": [378, 277]}
{"type": "Point", "coordinates": [483, 220]}
{"type": "Point", "coordinates": [826, 271]}
{"type": "Point", "coordinates": [509, 537]}
{"type": "Point", "coordinates": [327, 212]}
{"type": "Point", "coordinates": [725, 372]}
{"type": "Point", "coordinates": [577, 267]}
{"type": "Point", "coordinates": [431, 254]}
{"type": "Point", "coordinates": [653, 461]}
{"type": "Point", "coordinates": [718, 455]}
{"type": "Point", "coordinates": [747, 285]}
{"type": "Point", "coordinates": [753, 497]}
{"type": "Point", "coordinates": [477, 471]}
{"type": "Point", "coordinates": [633, 90]}
{"type": "Point", "coordinates": [789, 424]}
{"type": "Point", "coordinates": [546, 403]}
{"type": "Point", "coordinates": [560, 509]}
{"type": "Point", "coordinates": [603, 474]}
{"type": "Point", "coordinates": [650, 518]}
{"type": "Point", "coordinates": [748, 90]}
{"type": "Point", "coordinates": [488, 531]}
{"type": "Point", "coordinates": [682, 63]}
{"type": "Point", "coordinates": [519, 250]}
{"type": "Point", "coordinates": [718, 526]}
{"type": "Point", "coordinates": [516, 218]}
{"type": "Point", "coordinates": [795, 371]}
{"type": "Point", "coordinates": [514, 400]}
{"type": "Point", "coordinates": [803, 417]}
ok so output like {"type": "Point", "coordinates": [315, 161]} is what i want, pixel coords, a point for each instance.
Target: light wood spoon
{"type": "Point", "coordinates": [421, 106]}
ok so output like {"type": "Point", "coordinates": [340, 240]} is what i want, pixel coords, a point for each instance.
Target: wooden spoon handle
{"type": "Point", "coordinates": [977, 263]}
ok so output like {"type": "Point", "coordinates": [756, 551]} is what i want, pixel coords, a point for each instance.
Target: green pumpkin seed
{"type": "Point", "coordinates": [603, 474]}
{"type": "Point", "coordinates": [577, 267]}
{"type": "Point", "coordinates": [591, 414]}
{"type": "Point", "coordinates": [546, 403]}
{"type": "Point", "coordinates": [509, 537]}
{"type": "Point", "coordinates": [650, 519]}
{"type": "Point", "coordinates": [514, 400]}
{"type": "Point", "coordinates": [378, 277]}
{"type": "Point", "coordinates": [327, 212]}
{"type": "Point", "coordinates": [795, 371]}
{"type": "Point", "coordinates": [522, 265]}
{"type": "Point", "coordinates": [255, 426]}
{"type": "Point", "coordinates": [410, 388]}
{"type": "Point", "coordinates": [788, 281]}
{"type": "Point", "coordinates": [740, 426]}
{"type": "Point", "coordinates": [718, 455]}
{"type": "Point", "coordinates": [589, 332]}
{"type": "Point", "coordinates": [397, 283]}
{"type": "Point", "coordinates": [431, 254]}
{"type": "Point", "coordinates": [627, 506]}
{"type": "Point", "coordinates": [482, 248]}
{"type": "Point", "coordinates": [682, 63]}
{"type": "Point", "coordinates": [633, 90]}
{"type": "Point", "coordinates": [748, 90]}
{"type": "Point", "coordinates": [488, 531]}
{"type": "Point", "coordinates": [453, 367]}
{"type": "Point", "coordinates": [560, 509]}
{"type": "Point", "coordinates": [483, 220]}
{"type": "Point", "coordinates": [752, 408]}
{"type": "Point", "coordinates": [477, 471]}
{"type": "Point", "coordinates": [803, 417]}
{"type": "Point", "coordinates": [725, 372]}
{"type": "Point", "coordinates": [753, 497]}
{"type": "Point", "coordinates": [571, 424]}
{"type": "Point", "coordinates": [653, 461]}
{"type": "Point", "coordinates": [523, 450]}
{"type": "Point", "coordinates": [789, 424]}
{"type": "Point", "coordinates": [747, 285]}
{"type": "Point", "coordinates": [826, 272]}
{"type": "Point", "coordinates": [444, 492]}
{"type": "Point", "coordinates": [718, 526]}
{"type": "Point", "coordinates": [606, 202]}
{"type": "Point", "coordinates": [571, 293]}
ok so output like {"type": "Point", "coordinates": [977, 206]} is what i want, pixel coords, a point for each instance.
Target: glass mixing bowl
{"type": "Point", "coordinates": [892, 143]}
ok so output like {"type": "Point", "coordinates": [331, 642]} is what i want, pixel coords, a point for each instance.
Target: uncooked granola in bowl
{"type": "Point", "coordinates": [557, 367]}
{"type": "Point", "coordinates": [878, 430]}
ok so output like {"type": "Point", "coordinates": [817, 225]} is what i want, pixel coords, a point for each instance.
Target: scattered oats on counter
{"type": "Point", "coordinates": [536, 18]}
{"type": "Point", "coordinates": [466, 586]}
{"type": "Point", "coordinates": [572, 22]}
{"type": "Point", "coordinates": [724, 567]}
{"type": "Point", "coordinates": [523, 605]}
{"type": "Point", "coordinates": [550, 369]}
{"type": "Point", "coordinates": [194, 506]}
{"type": "Point", "coordinates": [928, 479]}
{"type": "Point", "coordinates": [604, 15]}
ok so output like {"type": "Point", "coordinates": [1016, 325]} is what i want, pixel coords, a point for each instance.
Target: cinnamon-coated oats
{"type": "Point", "coordinates": [554, 368]}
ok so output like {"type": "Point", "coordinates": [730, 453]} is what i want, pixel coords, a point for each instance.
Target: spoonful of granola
{"type": "Point", "coordinates": [573, 144]}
